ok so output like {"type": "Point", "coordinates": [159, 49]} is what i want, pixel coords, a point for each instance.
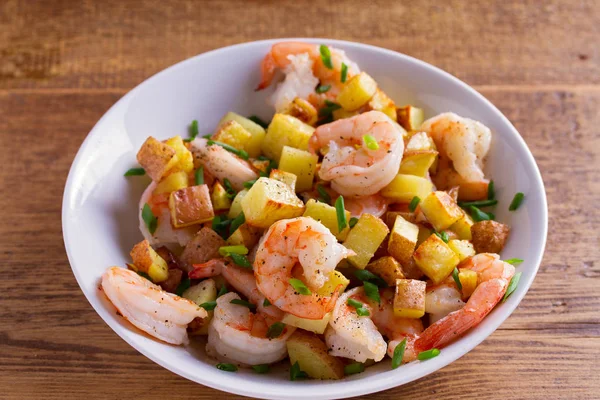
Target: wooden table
{"type": "Point", "coordinates": [63, 64]}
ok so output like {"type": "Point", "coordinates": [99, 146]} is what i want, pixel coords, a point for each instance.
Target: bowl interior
{"type": "Point", "coordinates": [100, 206]}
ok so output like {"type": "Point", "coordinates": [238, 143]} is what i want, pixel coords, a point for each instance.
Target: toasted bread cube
{"type": "Point", "coordinates": [403, 240]}
{"type": "Point", "coordinates": [463, 248]}
{"type": "Point", "coordinates": [286, 177]}
{"type": "Point", "coordinates": [201, 293]}
{"type": "Point", "coordinates": [489, 236]}
{"type": "Point", "coordinates": [269, 201]}
{"type": "Point", "coordinates": [233, 134]}
{"type": "Point", "coordinates": [190, 206]}
{"type": "Point", "coordinates": [462, 227]}
{"type": "Point", "coordinates": [147, 260]}
{"type": "Point", "coordinates": [306, 349]}
{"type": "Point", "coordinates": [156, 158]}
{"type": "Point", "coordinates": [245, 235]}
{"type": "Point", "coordinates": [252, 146]}
{"type": "Point", "coordinates": [387, 268]}
{"type": "Point", "coordinates": [441, 210]}
{"type": "Point", "coordinates": [357, 92]}
{"type": "Point", "coordinates": [404, 187]}
{"type": "Point", "coordinates": [468, 281]}
{"type": "Point", "coordinates": [436, 259]}
{"type": "Point", "coordinates": [410, 117]}
{"type": "Point", "coordinates": [236, 205]}
{"type": "Point", "coordinates": [204, 246]}
{"type": "Point", "coordinates": [300, 163]}
{"type": "Point", "coordinates": [327, 215]}
{"type": "Point", "coordinates": [365, 238]}
{"type": "Point", "coordinates": [303, 110]}
{"type": "Point", "coordinates": [311, 325]}
{"type": "Point", "coordinates": [219, 197]}
{"type": "Point", "coordinates": [172, 182]}
{"type": "Point", "coordinates": [409, 299]}
{"type": "Point", "coordinates": [336, 280]}
{"type": "Point", "coordinates": [285, 130]}
{"type": "Point", "coordinates": [185, 159]}
{"type": "Point", "coordinates": [417, 162]}
{"type": "Point", "coordinates": [381, 102]}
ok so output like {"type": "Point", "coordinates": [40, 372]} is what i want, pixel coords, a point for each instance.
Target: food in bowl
{"type": "Point", "coordinates": [344, 230]}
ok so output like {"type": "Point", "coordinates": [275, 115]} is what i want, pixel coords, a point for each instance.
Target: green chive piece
{"type": "Point", "coordinates": [354, 368]}
{"type": "Point", "coordinates": [479, 215]}
{"type": "Point", "coordinates": [149, 219]}
{"type": "Point", "coordinates": [241, 260]}
{"type": "Point", "coordinates": [516, 202]}
{"type": "Point", "coordinates": [368, 276]}
{"type": "Point", "coordinates": [266, 303]}
{"type": "Point", "coordinates": [208, 136]}
{"type": "Point", "coordinates": [144, 275]}
{"type": "Point", "coordinates": [193, 130]}
{"type": "Point", "coordinates": [261, 368]}
{"type": "Point", "coordinates": [360, 307]}
{"type": "Point", "coordinates": [414, 203]}
{"type": "Point", "coordinates": [362, 312]}
{"type": "Point", "coordinates": [491, 191]}
{"type": "Point", "coordinates": [372, 291]}
{"type": "Point", "coordinates": [275, 330]}
{"type": "Point", "coordinates": [259, 121]}
{"type": "Point", "coordinates": [300, 287]}
{"type": "Point", "coordinates": [220, 224]}
{"type": "Point", "coordinates": [456, 280]}
{"type": "Point", "coordinates": [322, 88]}
{"type": "Point", "coordinates": [209, 305]}
{"type": "Point", "coordinates": [249, 184]}
{"type": "Point", "coordinates": [227, 367]}
{"type": "Point", "coordinates": [398, 354]}
{"type": "Point", "coordinates": [135, 172]}
{"type": "Point", "coordinates": [329, 108]}
{"type": "Point", "coordinates": [426, 355]}
{"type": "Point", "coordinates": [341, 213]}
{"type": "Point", "coordinates": [222, 291]}
{"type": "Point", "coordinates": [183, 286]}
{"type": "Point", "coordinates": [514, 261]}
{"type": "Point", "coordinates": [199, 176]}
{"type": "Point", "coordinates": [353, 221]}
{"type": "Point", "coordinates": [326, 56]}
{"type": "Point", "coordinates": [514, 282]}
{"type": "Point", "coordinates": [240, 153]}
{"type": "Point", "coordinates": [237, 222]}
{"type": "Point", "coordinates": [478, 203]}
{"type": "Point", "coordinates": [370, 142]}
{"type": "Point", "coordinates": [229, 188]}
{"type": "Point", "coordinates": [344, 72]}
{"type": "Point", "coordinates": [244, 303]}
{"type": "Point", "coordinates": [324, 197]}
{"type": "Point", "coordinates": [237, 249]}
{"type": "Point", "coordinates": [442, 235]}
{"type": "Point", "coordinates": [296, 372]}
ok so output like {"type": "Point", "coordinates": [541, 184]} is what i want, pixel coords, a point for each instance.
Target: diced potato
{"type": "Point", "coordinates": [411, 270]}
{"type": "Point", "coordinates": [409, 299]}
{"type": "Point", "coordinates": [468, 280]}
{"type": "Point", "coordinates": [303, 110]}
{"type": "Point", "coordinates": [285, 130]}
{"type": "Point", "coordinates": [300, 163]}
{"type": "Point", "coordinates": [357, 92]}
{"type": "Point", "coordinates": [201, 293]}
{"type": "Point", "coordinates": [381, 102]}
{"type": "Point", "coordinates": [341, 114]}
{"type": "Point", "coordinates": [420, 141]}
{"type": "Point", "coordinates": [436, 259]}
{"type": "Point", "coordinates": [202, 247]}
{"type": "Point", "coordinates": [462, 227]}
{"type": "Point", "coordinates": [387, 268]}
{"type": "Point", "coordinates": [410, 117]}
{"type": "Point", "coordinates": [417, 162]}
{"type": "Point", "coordinates": [253, 146]}
{"type": "Point", "coordinates": [269, 201]}
{"type": "Point", "coordinates": [327, 215]}
{"type": "Point", "coordinates": [365, 238]}
{"type": "Point", "coordinates": [234, 134]}
{"type": "Point", "coordinates": [311, 325]}
{"type": "Point", "coordinates": [172, 182]}
{"type": "Point", "coordinates": [441, 210]}
{"type": "Point", "coordinates": [404, 187]}
{"type": "Point", "coordinates": [156, 158]}
{"type": "Point", "coordinates": [246, 235]}
{"type": "Point", "coordinates": [336, 280]}
{"type": "Point", "coordinates": [286, 177]}
{"type": "Point", "coordinates": [424, 233]}
{"type": "Point", "coordinates": [403, 239]}
{"type": "Point", "coordinates": [190, 206]}
{"type": "Point", "coordinates": [185, 159]}
{"type": "Point", "coordinates": [147, 260]}
{"type": "Point", "coordinates": [261, 165]}
{"type": "Point", "coordinates": [463, 248]}
{"type": "Point", "coordinates": [471, 191]}
{"type": "Point", "coordinates": [236, 205]}
{"type": "Point", "coordinates": [390, 217]}
{"type": "Point", "coordinates": [306, 349]}
{"type": "Point", "coordinates": [489, 236]}
{"type": "Point", "coordinates": [219, 197]}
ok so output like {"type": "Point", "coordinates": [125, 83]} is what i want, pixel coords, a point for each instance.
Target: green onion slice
{"type": "Point", "coordinates": [193, 130]}
{"type": "Point", "coordinates": [149, 219]}
{"type": "Point", "coordinates": [360, 307]}
{"type": "Point", "coordinates": [322, 88]}
{"type": "Point", "coordinates": [241, 260]}
{"type": "Point", "coordinates": [220, 224]}
{"type": "Point", "coordinates": [514, 261]}
{"type": "Point", "coordinates": [329, 108]}
{"type": "Point", "coordinates": [183, 286]}
{"type": "Point", "coordinates": [135, 172]}
{"type": "Point", "coordinates": [275, 330]}
{"type": "Point", "coordinates": [491, 192]}
{"type": "Point", "coordinates": [227, 367]}
{"type": "Point", "coordinates": [344, 73]}
{"type": "Point", "coordinates": [372, 291]}
{"type": "Point", "coordinates": [324, 197]}
{"type": "Point", "coordinates": [414, 203]}
{"type": "Point", "coordinates": [296, 372]}
{"type": "Point", "coordinates": [240, 153]}
{"type": "Point", "coordinates": [478, 203]}
{"type": "Point", "coordinates": [514, 282]}
{"type": "Point", "coordinates": [237, 249]}
{"type": "Point", "coordinates": [199, 176]}
{"type": "Point", "coordinates": [244, 303]}
{"type": "Point", "coordinates": [222, 291]}
{"type": "Point", "coordinates": [237, 222]}
{"type": "Point", "coordinates": [479, 215]}
{"type": "Point", "coordinates": [442, 235]}
{"type": "Point", "coordinates": [353, 221]}
{"type": "Point", "coordinates": [259, 121]}
{"type": "Point", "coordinates": [261, 368]}
{"type": "Point", "coordinates": [326, 56]}
{"type": "Point", "coordinates": [368, 276]}
{"type": "Point", "coordinates": [144, 275]}
{"type": "Point", "coordinates": [249, 184]}
{"type": "Point", "coordinates": [209, 305]}
{"type": "Point", "coordinates": [362, 312]}
{"type": "Point", "coordinates": [426, 355]}
{"type": "Point", "coordinates": [299, 286]}
{"type": "Point", "coordinates": [341, 213]}
{"type": "Point", "coordinates": [456, 280]}
{"type": "Point", "coordinates": [516, 202]}
{"type": "Point", "coordinates": [266, 303]}
{"type": "Point", "coordinates": [398, 354]}
{"type": "Point", "coordinates": [370, 142]}
{"type": "Point", "coordinates": [354, 368]}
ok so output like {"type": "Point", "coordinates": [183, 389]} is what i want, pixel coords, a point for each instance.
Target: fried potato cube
{"type": "Point", "coordinates": [260, 165]}
{"type": "Point", "coordinates": [463, 248]}
{"type": "Point", "coordinates": [285, 130]}
{"type": "Point", "coordinates": [147, 260]}
{"type": "Point", "coordinates": [219, 197]}
{"type": "Point", "coordinates": [387, 268]}
{"type": "Point", "coordinates": [424, 233]}
{"type": "Point", "coordinates": [236, 204]}
{"type": "Point", "coordinates": [411, 270]}
{"type": "Point", "coordinates": [234, 134]}
{"type": "Point", "coordinates": [301, 163]}
{"type": "Point", "coordinates": [336, 280]}
{"type": "Point", "coordinates": [246, 235]}
{"type": "Point", "coordinates": [365, 238]}
{"type": "Point", "coordinates": [312, 356]}
{"type": "Point", "coordinates": [441, 210]}
{"type": "Point", "coordinates": [286, 177]}
{"type": "Point", "coordinates": [185, 159]}
{"type": "Point", "coordinates": [489, 236]}
{"type": "Point", "coordinates": [327, 215]}
{"type": "Point", "coordinates": [471, 191]}
{"type": "Point", "coordinates": [435, 258]}
{"type": "Point", "coordinates": [156, 158]}
{"type": "Point", "coordinates": [417, 162]}
{"type": "Point", "coordinates": [410, 117]}
{"type": "Point", "coordinates": [172, 182]}
{"type": "Point", "coordinates": [403, 240]}
{"type": "Point", "coordinates": [381, 102]}
{"type": "Point", "coordinates": [204, 246]}
{"type": "Point", "coordinates": [311, 325]}
{"type": "Point", "coordinates": [357, 92]}
{"type": "Point", "coordinates": [252, 146]}
{"type": "Point", "coordinates": [201, 293]}
{"type": "Point", "coordinates": [409, 299]}
{"type": "Point", "coordinates": [468, 280]}
{"type": "Point", "coordinates": [269, 201]}
{"type": "Point", "coordinates": [303, 110]}
{"type": "Point", "coordinates": [462, 227]}
{"type": "Point", "coordinates": [390, 217]}
{"type": "Point", "coordinates": [190, 206]}
{"type": "Point", "coordinates": [404, 187]}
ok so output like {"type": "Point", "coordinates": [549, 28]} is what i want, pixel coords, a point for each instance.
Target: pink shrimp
{"type": "Point", "coordinates": [375, 205]}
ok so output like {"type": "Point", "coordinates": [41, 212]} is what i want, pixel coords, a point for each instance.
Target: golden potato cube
{"type": "Point", "coordinates": [253, 146]}
{"type": "Point", "coordinates": [409, 299]}
{"type": "Point", "coordinates": [201, 293]}
{"type": "Point", "coordinates": [303, 110]}
{"type": "Point", "coordinates": [327, 215]}
{"type": "Point", "coordinates": [462, 227]}
{"type": "Point", "coordinates": [306, 349]}
{"type": "Point", "coordinates": [340, 113]}
{"type": "Point", "coordinates": [269, 201]}
{"type": "Point", "coordinates": [233, 134]}
{"type": "Point", "coordinates": [286, 177]}
{"type": "Point", "coordinates": [311, 325]}
{"type": "Point", "coordinates": [471, 191]}
{"type": "Point", "coordinates": [420, 141]}
{"type": "Point", "coordinates": [285, 130]}
{"type": "Point", "coordinates": [261, 165]}
{"type": "Point", "coordinates": [156, 158]}
{"type": "Point", "coordinates": [147, 260]}
{"type": "Point", "coordinates": [236, 205]}
{"type": "Point", "coordinates": [410, 117]}
{"type": "Point", "coordinates": [404, 187]}
{"type": "Point", "coordinates": [365, 238]}
{"type": "Point", "coordinates": [387, 268]}
{"type": "Point", "coordinates": [468, 281]}
{"type": "Point", "coordinates": [424, 233]}
{"type": "Point", "coordinates": [185, 159]}
{"type": "Point", "coordinates": [390, 217]}
{"type": "Point", "coordinates": [441, 210]}
{"type": "Point", "coordinates": [190, 206]}
{"type": "Point", "coordinates": [435, 258]}
{"type": "Point", "coordinates": [300, 163]}
{"type": "Point", "coordinates": [489, 236]}
{"type": "Point", "coordinates": [417, 162]}
{"type": "Point", "coordinates": [411, 270]}
{"type": "Point", "coordinates": [219, 197]}
{"type": "Point", "coordinates": [336, 280]}
{"type": "Point", "coordinates": [357, 92]}
{"type": "Point", "coordinates": [245, 235]}
{"type": "Point", "coordinates": [403, 240]}
{"type": "Point", "coordinates": [463, 248]}
{"type": "Point", "coordinates": [172, 182]}
{"type": "Point", "coordinates": [381, 102]}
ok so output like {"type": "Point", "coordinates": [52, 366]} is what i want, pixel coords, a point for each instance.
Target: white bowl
{"type": "Point", "coordinates": [100, 222]}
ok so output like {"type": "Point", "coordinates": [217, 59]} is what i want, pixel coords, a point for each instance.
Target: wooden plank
{"type": "Point", "coordinates": [114, 44]}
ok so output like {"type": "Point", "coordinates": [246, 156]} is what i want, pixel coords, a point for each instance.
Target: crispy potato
{"type": "Point", "coordinates": [489, 236]}
{"type": "Point", "coordinates": [424, 233]}
{"type": "Point", "coordinates": [381, 102]}
{"type": "Point", "coordinates": [301, 163]}
{"type": "Point", "coordinates": [253, 145]}
{"type": "Point", "coordinates": [365, 238]}
{"type": "Point", "coordinates": [436, 259]}
{"type": "Point", "coordinates": [311, 325]}
{"type": "Point", "coordinates": [336, 280]}
{"type": "Point", "coordinates": [233, 134]}
{"type": "Point", "coordinates": [190, 206]}
{"type": "Point", "coordinates": [311, 354]}
{"type": "Point", "coordinates": [411, 270]}
{"type": "Point", "coordinates": [327, 215]}
{"type": "Point", "coordinates": [236, 205]}
{"type": "Point", "coordinates": [441, 210]}
{"type": "Point", "coordinates": [403, 240]}
{"type": "Point", "coordinates": [269, 201]}
{"type": "Point", "coordinates": [462, 248]}
{"type": "Point", "coordinates": [204, 246]}
{"type": "Point", "coordinates": [286, 177]}
{"type": "Point", "coordinates": [173, 280]}
{"type": "Point", "coordinates": [145, 259]}
{"type": "Point", "coordinates": [404, 187]}
{"type": "Point", "coordinates": [357, 92]}
{"type": "Point", "coordinates": [417, 162]}
{"type": "Point", "coordinates": [246, 235]}
{"type": "Point", "coordinates": [462, 227]}
{"type": "Point", "coordinates": [219, 197]}
{"type": "Point", "coordinates": [203, 292]}
{"type": "Point", "coordinates": [185, 159]}
{"type": "Point", "coordinates": [409, 299]}
{"type": "Point", "coordinates": [172, 182]}
{"type": "Point", "coordinates": [471, 191]}
{"type": "Point", "coordinates": [390, 217]}
{"type": "Point", "coordinates": [260, 165]}
{"type": "Point", "coordinates": [285, 130]}
{"type": "Point", "coordinates": [387, 268]}
{"type": "Point", "coordinates": [303, 110]}
{"type": "Point", "coordinates": [156, 158]}
{"type": "Point", "coordinates": [411, 118]}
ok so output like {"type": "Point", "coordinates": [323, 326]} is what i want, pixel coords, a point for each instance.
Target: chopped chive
{"type": "Point", "coordinates": [398, 354]}
{"type": "Point", "coordinates": [296, 372]}
{"type": "Point", "coordinates": [516, 202]}
{"type": "Point", "coordinates": [329, 108]}
{"type": "Point", "coordinates": [414, 203]}
{"type": "Point", "coordinates": [512, 286]}
{"type": "Point", "coordinates": [199, 176]}
{"type": "Point", "coordinates": [144, 275]}
{"type": "Point", "coordinates": [193, 130]}
{"type": "Point", "coordinates": [442, 235]}
{"type": "Point", "coordinates": [207, 136]}
{"type": "Point", "coordinates": [326, 56]}
{"type": "Point", "coordinates": [227, 367]}
{"type": "Point", "coordinates": [362, 312]}
{"type": "Point", "coordinates": [299, 286]}
{"type": "Point", "coordinates": [322, 88]}
{"type": "Point", "coordinates": [478, 203]}
{"type": "Point", "coordinates": [209, 305]}
{"type": "Point", "coordinates": [259, 121]}
{"type": "Point", "coordinates": [479, 215]}
{"type": "Point", "coordinates": [355, 303]}
{"type": "Point", "coordinates": [238, 249]}
{"type": "Point", "coordinates": [324, 197]}
{"type": "Point", "coordinates": [370, 142]}
{"type": "Point", "coordinates": [135, 172]}
{"type": "Point", "coordinates": [341, 213]}
{"type": "Point", "coordinates": [491, 192]}
{"type": "Point", "coordinates": [240, 153]}
{"type": "Point", "coordinates": [266, 303]}
{"type": "Point", "coordinates": [368, 276]}
{"type": "Point", "coordinates": [275, 330]}
{"type": "Point", "coordinates": [183, 286]}
{"type": "Point", "coordinates": [360, 307]}
{"type": "Point", "coordinates": [344, 72]}
{"type": "Point", "coordinates": [353, 221]}
{"type": "Point", "coordinates": [222, 291]}
{"type": "Point", "coordinates": [426, 355]}
{"type": "Point", "coordinates": [249, 184]}
{"type": "Point", "coordinates": [149, 219]}
{"type": "Point", "coordinates": [241, 260]}
{"type": "Point", "coordinates": [237, 222]}
{"type": "Point", "coordinates": [514, 261]}
{"type": "Point", "coordinates": [372, 291]}
{"type": "Point", "coordinates": [229, 188]}
{"type": "Point", "coordinates": [220, 225]}
{"type": "Point", "coordinates": [244, 303]}
{"type": "Point", "coordinates": [261, 368]}
{"type": "Point", "coordinates": [354, 368]}
{"type": "Point", "coordinates": [456, 279]}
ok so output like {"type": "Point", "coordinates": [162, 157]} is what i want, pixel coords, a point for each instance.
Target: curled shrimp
{"type": "Point", "coordinates": [298, 242]}
{"type": "Point", "coordinates": [353, 168]}
{"type": "Point", "coordinates": [238, 335]}
{"type": "Point", "coordinates": [375, 205]}
{"type": "Point", "coordinates": [160, 314]}
{"type": "Point", "coordinates": [442, 299]}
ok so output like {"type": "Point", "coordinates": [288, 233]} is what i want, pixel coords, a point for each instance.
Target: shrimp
{"type": "Point", "coordinates": [235, 334]}
{"type": "Point", "coordinates": [301, 242]}
{"type": "Point", "coordinates": [441, 300]}
{"type": "Point", "coordinates": [160, 314]}
{"type": "Point", "coordinates": [353, 169]}
{"type": "Point", "coordinates": [375, 205]}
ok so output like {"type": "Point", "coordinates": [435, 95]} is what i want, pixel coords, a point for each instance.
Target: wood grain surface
{"type": "Point", "coordinates": [63, 64]}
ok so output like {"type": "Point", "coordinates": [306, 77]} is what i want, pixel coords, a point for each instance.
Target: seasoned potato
{"type": "Point", "coordinates": [404, 187]}
{"type": "Point", "coordinates": [381, 102]}
{"type": "Point", "coordinates": [336, 280]}
{"type": "Point", "coordinates": [471, 191]}
{"type": "Point", "coordinates": [285, 130]}
{"type": "Point", "coordinates": [357, 92]}
{"type": "Point", "coordinates": [417, 162]}
{"type": "Point", "coordinates": [411, 270]}
{"type": "Point", "coordinates": [435, 258]}
{"type": "Point", "coordinates": [201, 293]}
{"type": "Point", "coordinates": [303, 110]}
{"type": "Point", "coordinates": [185, 159]}
{"type": "Point", "coordinates": [403, 239]}
{"type": "Point", "coordinates": [156, 158]}
{"type": "Point", "coordinates": [172, 182]}
{"type": "Point", "coordinates": [219, 197]}
{"type": "Point", "coordinates": [311, 325]}
{"type": "Point", "coordinates": [190, 206]}
{"type": "Point", "coordinates": [233, 134]}
{"type": "Point", "coordinates": [286, 177]}
{"type": "Point", "coordinates": [365, 238]}
{"type": "Point", "coordinates": [268, 201]}
{"type": "Point", "coordinates": [300, 163]}
{"type": "Point", "coordinates": [411, 118]}
{"type": "Point", "coordinates": [390, 217]}
{"type": "Point", "coordinates": [236, 205]}
{"type": "Point", "coordinates": [424, 233]}
{"type": "Point", "coordinates": [246, 235]}
{"type": "Point", "coordinates": [204, 246]}
{"type": "Point", "coordinates": [311, 354]}
{"type": "Point", "coordinates": [468, 280]}
{"type": "Point", "coordinates": [145, 259]}
{"type": "Point", "coordinates": [409, 299]}
{"type": "Point", "coordinates": [441, 210]}
{"type": "Point", "coordinates": [261, 165]}
{"type": "Point", "coordinates": [462, 227]}
{"type": "Point", "coordinates": [253, 146]}
{"type": "Point", "coordinates": [489, 236]}
{"type": "Point", "coordinates": [387, 268]}
{"type": "Point", "coordinates": [462, 248]}
{"type": "Point", "coordinates": [327, 215]}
